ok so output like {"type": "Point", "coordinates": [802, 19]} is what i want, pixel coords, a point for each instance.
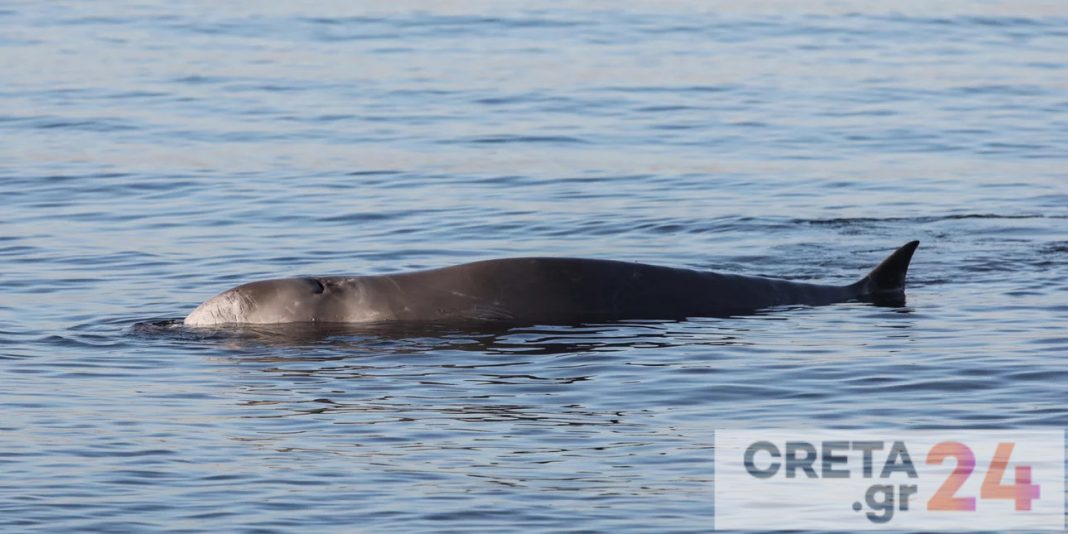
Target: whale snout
{"type": "Point", "coordinates": [229, 307]}
{"type": "Point", "coordinates": [265, 302]}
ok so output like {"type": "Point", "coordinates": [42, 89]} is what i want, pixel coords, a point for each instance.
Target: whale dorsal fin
{"type": "Point", "coordinates": [885, 284]}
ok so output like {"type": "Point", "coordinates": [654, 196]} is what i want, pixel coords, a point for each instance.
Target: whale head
{"type": "Point", "coordinates": [266, 302]}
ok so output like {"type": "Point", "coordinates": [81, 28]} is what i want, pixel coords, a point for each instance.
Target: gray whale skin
{"type": "Point", "coordinates": [536, 291]}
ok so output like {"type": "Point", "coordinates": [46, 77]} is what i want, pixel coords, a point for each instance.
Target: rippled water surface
{"type": "Point", "coordinates": [154, 153]}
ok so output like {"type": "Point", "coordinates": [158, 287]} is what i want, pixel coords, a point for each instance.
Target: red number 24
{"type": "Point", "coordinates": [1022, 491]}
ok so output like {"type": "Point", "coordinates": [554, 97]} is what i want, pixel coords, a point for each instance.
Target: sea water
{"type": "Point", "coordinates": [153, 154]}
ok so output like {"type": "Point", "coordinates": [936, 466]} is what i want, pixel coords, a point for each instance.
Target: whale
{"type": "Point", "coordinates": [537, 290]}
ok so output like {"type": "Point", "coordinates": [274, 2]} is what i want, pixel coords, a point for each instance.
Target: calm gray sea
{"type": "Point", "coordinates": [155, 153]}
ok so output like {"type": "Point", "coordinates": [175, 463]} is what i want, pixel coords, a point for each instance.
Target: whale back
{"type": "Point", "coordinates": [562, 290]}
{"type": "Point", "coordinates": [537, 290]}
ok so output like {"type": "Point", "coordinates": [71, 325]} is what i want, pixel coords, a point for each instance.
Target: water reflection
{"type": "Point", "coordinates": [400, 338]}
{"type": "Point", "coordinates": [388, 374]}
